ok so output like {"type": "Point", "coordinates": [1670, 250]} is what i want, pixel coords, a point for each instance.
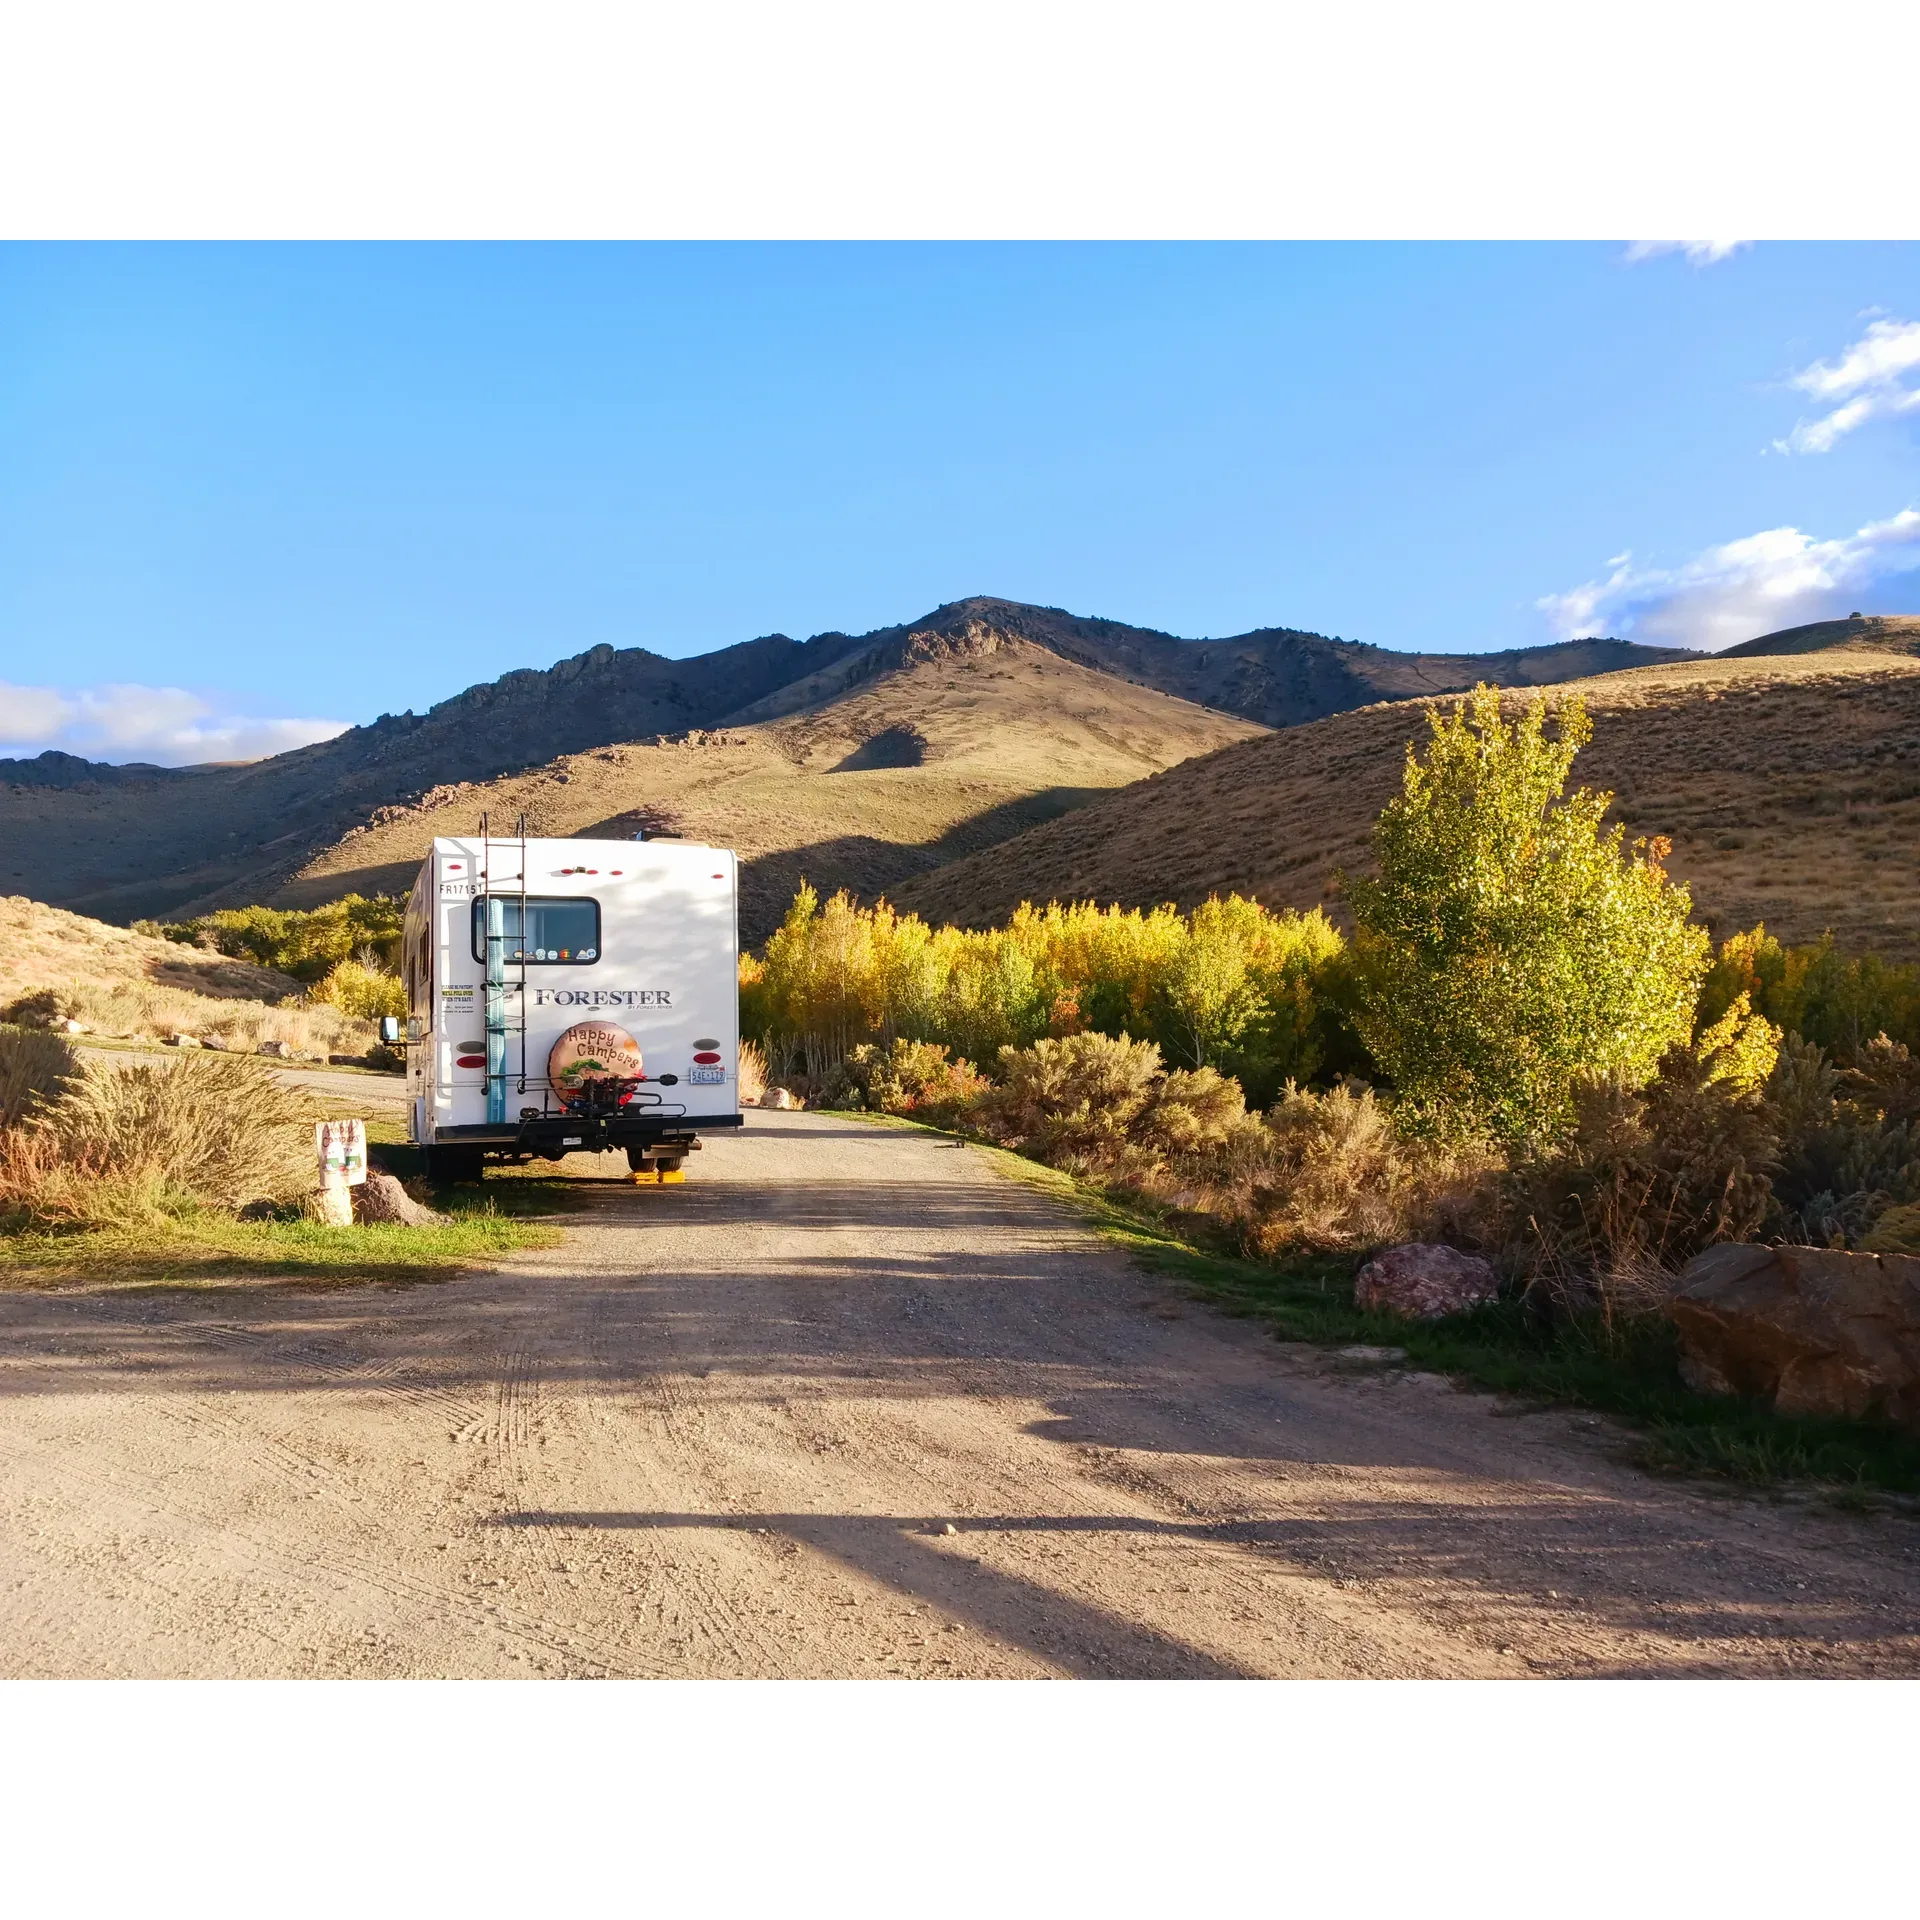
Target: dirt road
{"type": "Point", "coordinates": [847, 1403]}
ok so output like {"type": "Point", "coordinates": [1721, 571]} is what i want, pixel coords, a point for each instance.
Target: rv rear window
{"type": "Point", "coordinates": [557, 933]}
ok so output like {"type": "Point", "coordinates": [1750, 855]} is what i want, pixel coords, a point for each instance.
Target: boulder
{"type": "Point", "coordinates": [1810, 1329]}
{"type": "Point", "coordinates": [276, 1049]}
{"type": "Point", "coordinates": [380, 1200]}
{"type": "Point", "coordinates": [183, 1040]}
{"type": "Point", "coordinates": [779, 1097]}
{"type": "Point", "coordinates": [1420, 1281]}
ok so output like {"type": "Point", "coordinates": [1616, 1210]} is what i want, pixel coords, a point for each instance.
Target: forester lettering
{"type": "Point", "coordinates": [602, 997]}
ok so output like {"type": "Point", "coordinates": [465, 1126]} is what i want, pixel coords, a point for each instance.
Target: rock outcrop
{"type": "Point", "coordinates": [1418, 1281]}
{"type": "Point", "coordinates": [1809, 1329]}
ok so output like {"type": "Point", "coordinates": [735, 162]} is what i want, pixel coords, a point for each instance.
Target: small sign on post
{"type": "Point", "coordinates": [340, 1146]}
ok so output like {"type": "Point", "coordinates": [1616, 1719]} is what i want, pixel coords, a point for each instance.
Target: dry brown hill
{"type": "Point", "coordinates": [123, 842]}
{"type": "Point", "coordinates": [1873, 632]}
{"type": "Point", "coordinates": [1789, 782]}
{"type": "Point", "coordinates": [965, 740]}
{"type": "Point", "coordinates": [42, 946]}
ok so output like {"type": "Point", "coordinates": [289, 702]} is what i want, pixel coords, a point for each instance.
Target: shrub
{"type": "Point", "coordinates": [1645, 1179]}
{"type": "Point", "coordinates": [947, 1094]}
{"type": "Point", "coordinates": [126, 1145]}
{"type": "Point", "coordinates": [1885, 1079]}
{"type": "Point", "coordinates": [1509, 948]}
{"type": "Point", "coordinates": [1844, 1162]}
{"type": "Point", "coordinates": [1338, 1174]}
{"type": "Point", "coordinates": [361, 992]}
{"type": "Point", "coordinates": [1837, 1001]}
{"type": "Point", "coordinates": [1072, 1102]}
{"type": "Point", "coordinates": [1896, 1231]}
{"type": "Point", "coordinates": [43, 1009]}
{"type": "Point", "coordinates": [912, 1076]}
{"type": "Point", "coordinates": [1195, 1122]}
{"type": "Point", "coordinates": [306, 944]}
{"type": "Point", "coordinates": [36, 1070]}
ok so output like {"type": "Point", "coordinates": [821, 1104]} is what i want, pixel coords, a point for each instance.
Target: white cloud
{"type": "Point", "coordinates": [1779, 578]}
{"type": "Point", "coordinates": [166, 725]}
{"type": "Point", "coordinates": [1702, 253]}
{"type": "Point", "coordinates": [1866, 379]}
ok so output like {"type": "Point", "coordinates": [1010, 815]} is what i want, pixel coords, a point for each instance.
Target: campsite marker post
{"type": "Point", "coordinates": [340, 1146]}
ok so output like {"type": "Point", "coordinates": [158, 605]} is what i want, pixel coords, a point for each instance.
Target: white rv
{"type": "Point", "coordinates": [568, 996]}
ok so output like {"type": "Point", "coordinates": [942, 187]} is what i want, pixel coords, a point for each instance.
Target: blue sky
{"type": "Point", "coordinates": [248, 494]}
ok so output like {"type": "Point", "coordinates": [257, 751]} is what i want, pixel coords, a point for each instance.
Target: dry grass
{"type": "Point", "coordinates": [1790, 785]}
{"type": "Point", "coordinates": [139, 1011]}
{"type": "Point", "coordinates": [753, 1073]}
{"type": "Point", "coordinates": [42, 946]}
{"type": "Point", "coordinates": [36, 1069]}
{"type": "Point", "coordinates": [122, 1147]}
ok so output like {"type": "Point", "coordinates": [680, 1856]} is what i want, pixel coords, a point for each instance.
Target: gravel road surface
{"type": "Point", "coordinates": [849, 1402]}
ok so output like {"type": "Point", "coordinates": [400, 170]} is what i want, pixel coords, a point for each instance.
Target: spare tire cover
{"type": "Point", "coordinates": [592, 1052]}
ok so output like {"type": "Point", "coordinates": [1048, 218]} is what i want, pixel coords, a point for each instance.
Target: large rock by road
{"type": "Point", "coordinates": [1418, 1281]}
{"type": "Point", "coordinates": [1810, 1329]}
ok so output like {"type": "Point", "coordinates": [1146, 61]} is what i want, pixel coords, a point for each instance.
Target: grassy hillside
{"type": "Point", "coordinates": [960, 744]}
{"type": "Point", "coordinates": [1789, 782]}
{"type": "Point", "coordinates": [120, 984]}
{"type": "Point", "coordinates": [127, 842]}
{"type": "Point", "coordinates": [1859, 632]}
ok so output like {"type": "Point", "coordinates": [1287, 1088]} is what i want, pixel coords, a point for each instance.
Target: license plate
{"type": "Point", "coordinates": [573, 1140]}
{"type": "Point", "coordinates": [707, 1076]}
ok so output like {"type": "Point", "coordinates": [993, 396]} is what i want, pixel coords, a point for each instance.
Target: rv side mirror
{"type": "Point", "coordinates": [389, 1030]}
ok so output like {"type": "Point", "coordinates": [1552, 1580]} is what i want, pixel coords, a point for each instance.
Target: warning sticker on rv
{"type": "Point", "coordinates": [461, 994]}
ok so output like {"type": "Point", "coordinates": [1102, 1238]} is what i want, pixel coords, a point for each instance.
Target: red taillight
{"type": "Point", "coordinates": [706, 1059]}
{"type": "Point", "coordinates": [471, 1060]}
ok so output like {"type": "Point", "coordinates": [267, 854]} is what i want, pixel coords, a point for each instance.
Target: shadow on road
{"type": "Point", "coordinates": [916, 1558]}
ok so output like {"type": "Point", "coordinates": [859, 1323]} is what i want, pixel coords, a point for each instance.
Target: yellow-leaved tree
{"type": "Point", "coordinates": [1510, 946]}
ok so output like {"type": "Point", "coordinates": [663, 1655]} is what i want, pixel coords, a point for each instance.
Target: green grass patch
{"type": "Point", "coordinates": [206, 1248]}
{"type": "Point", "coordinates": [1629, 1371]}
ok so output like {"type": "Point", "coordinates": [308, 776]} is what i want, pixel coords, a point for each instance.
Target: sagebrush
{"type": "Point", "coordinates": [121, 1145]}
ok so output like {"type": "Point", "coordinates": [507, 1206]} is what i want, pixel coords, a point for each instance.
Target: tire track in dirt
{"type": "Point", "coordinates": [375, 1563]}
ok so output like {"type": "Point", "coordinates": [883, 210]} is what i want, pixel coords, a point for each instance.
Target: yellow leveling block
{"type": "Point", "coordinates": [659, 1177]}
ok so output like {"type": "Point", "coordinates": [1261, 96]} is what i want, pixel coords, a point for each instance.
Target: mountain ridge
{"type": "Point", "coordinates": [127, 842]}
